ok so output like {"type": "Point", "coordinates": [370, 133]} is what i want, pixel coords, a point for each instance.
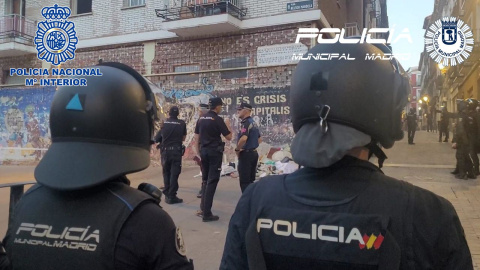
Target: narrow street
{"type": "Point", "coordinates": [426, 164]}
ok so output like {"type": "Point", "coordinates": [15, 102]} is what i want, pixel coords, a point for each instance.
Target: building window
{"type": "Point", "coordinates": [419, 79]}
{"type": "Point", "coordinates": [187, 78]}
{"type": "Point", "coordinates": [81, 6]}
{"type": "Point", "coordinates": [7, 79]}
{"type": "Point", "coordinates": [15, 7]}
{"type": "Point", "coordinates": [234, 63]}
{"type": "Point", "coordinates": [133, 3]}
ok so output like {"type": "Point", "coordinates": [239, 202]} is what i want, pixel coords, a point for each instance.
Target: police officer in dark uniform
{"type": "Point", "coordinates": [461, 142]}
{"type": "Point", "coordinates": [248, 140]}
{"type": "Point", "coordinates": [170, 138]}
{"type": "Point", "coordinates": [207, 134]}
{"type": "Point", "coordinates": [444, 121]}
{"type": "Point", "coordinates": [411, 125]}
{"type": "Point", "coordinates": [83, 214]}
{"type": "Point", "coordinates": [340, 211]}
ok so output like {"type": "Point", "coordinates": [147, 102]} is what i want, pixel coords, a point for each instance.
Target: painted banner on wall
{"type": "Point", "coordinates": [271, 112]}
{"type": "Point", "coordinates": [24, 123]}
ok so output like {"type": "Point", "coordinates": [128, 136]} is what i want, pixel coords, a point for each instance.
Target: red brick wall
{"type": "Point", "coordinates": [267, 82]}
{"type": "Point", "coordinates": [208, 52]}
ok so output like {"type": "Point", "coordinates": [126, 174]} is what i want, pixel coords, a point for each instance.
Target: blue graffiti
{"type": "Point", "coordinates": [180, 93]}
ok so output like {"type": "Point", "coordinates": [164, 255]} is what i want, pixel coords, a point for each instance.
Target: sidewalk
{"type": "Point", "coordinates": [426, 164]}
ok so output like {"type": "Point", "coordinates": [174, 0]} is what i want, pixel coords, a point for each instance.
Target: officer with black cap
{"type": "Point", "coordinates": [83, 214]}
{"type": "Point", "coordinates": [207, 135]}
{"type": "Point", "coordinates": [340, 211]}
{"type": "Point", "coordinates": [248, 140]}
{"type": "Point", "coordinates": [170, 138]}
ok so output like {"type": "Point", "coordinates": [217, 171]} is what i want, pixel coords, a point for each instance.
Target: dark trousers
{"type": "Point", "coordinates": [247, 168]}
{"type": "Point", "coordinates": [199, 163]}
{"type": "Point", "coordinates": [171, 167]}
{"type": "Point", "coordinates": [211, 169]}
{"type": "Point", "coordinates": [472, 149]}
{"type": "Point", "coordinates": [411, 134]}
{"type": "Point", "coordinates": [464, 162]}
{"type": "Point", "coordinates": [430, 126]}
{"type": "Point", "coordinates": [443, 131]}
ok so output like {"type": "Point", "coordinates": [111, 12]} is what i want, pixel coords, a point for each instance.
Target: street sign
{"type": "Point", "coordinates": [299, 5]}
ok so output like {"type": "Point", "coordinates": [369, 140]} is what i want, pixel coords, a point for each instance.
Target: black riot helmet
{"type": "Point", "coordinates": [366, 94]}
{"type": "Point", "coordinates": [472, 104]}
{"type": "Point", "coordinates": [100, 131]}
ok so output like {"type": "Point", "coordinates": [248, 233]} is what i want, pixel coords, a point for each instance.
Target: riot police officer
{"type": "Point", "coordinates": [83, 214]}
{"type": "Point", "coordinates": [248, 140]}
{"type": "Point", "coordinates": [340, 211]}
{"type": "Point", "coordinates": [461, 143]}
{"type": "Point", "coordinates": [411, 125]}
{"type": "Point", "coordinates": [170, 138]}
{"type": "Point", "coordinates": [207, 135]}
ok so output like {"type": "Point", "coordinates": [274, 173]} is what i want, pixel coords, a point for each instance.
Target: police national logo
{"type": "Point", "coordinates": [56, 38]}
{"type": "Point", "coordinates": [449, 41]}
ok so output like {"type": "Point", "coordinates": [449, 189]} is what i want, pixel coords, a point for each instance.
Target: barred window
{"type": "Point", "coordinates": [234, 63]}
{"type": "Point", "coordinates": [187, 78]}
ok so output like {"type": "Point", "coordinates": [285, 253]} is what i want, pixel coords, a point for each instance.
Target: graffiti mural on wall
{"type": "Point", "coordinates": [270, 110]}
{"type": "Point", "coordinates": [24, 117]}
{"type": "Point", "coordinates": [24, 123]}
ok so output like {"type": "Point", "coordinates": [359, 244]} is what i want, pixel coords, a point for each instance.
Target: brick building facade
{"type": "Point", "coordinates": [232, 54]}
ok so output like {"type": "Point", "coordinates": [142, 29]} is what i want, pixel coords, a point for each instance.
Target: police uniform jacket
{"type": "Point", "coordinates": [172, 132]}
{"type": "Point", "coordinates": [112, 226]}
{"type": "Point", "coordinates": [347, 216]}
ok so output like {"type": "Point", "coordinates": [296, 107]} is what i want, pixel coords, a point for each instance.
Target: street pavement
{"type": "Point", "coordinates": [426, 164]}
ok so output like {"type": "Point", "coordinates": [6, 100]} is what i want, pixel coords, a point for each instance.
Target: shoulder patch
{"type": "Point", "coordinates": [179, 243]}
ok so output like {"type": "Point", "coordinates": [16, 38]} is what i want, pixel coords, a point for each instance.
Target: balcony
{"type": "Point", "coordinates": [16, 35]}
{"type": "Point", "coordinates": [202, 18]}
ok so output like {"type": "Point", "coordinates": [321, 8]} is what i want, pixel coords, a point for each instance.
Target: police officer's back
{"type": "Point", "coordinates": [82, 214]}
{"type": "Point", "coordinates": [170, 138]}
{"type": "Point", "coordinates": [341, 211]}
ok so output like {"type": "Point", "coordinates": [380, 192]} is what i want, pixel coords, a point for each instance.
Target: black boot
{"type": "Point", "coordinates": [173, 200]}
{"type": "Point", "coordinates": [461, 176]}
{"type": "Point", "coordinates": [455, 171]}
